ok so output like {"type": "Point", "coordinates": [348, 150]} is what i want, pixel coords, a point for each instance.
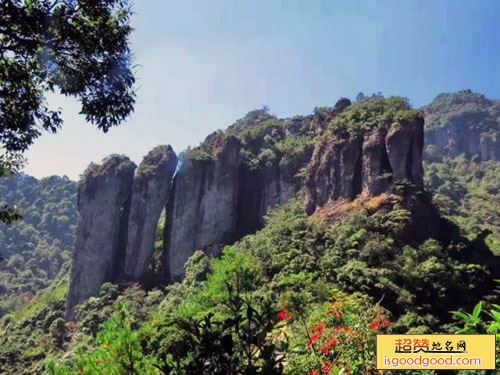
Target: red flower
{"type": "Point", "coordinates": [290, 316]}
{"type": "Point", "coordinates": [331, 342]}
{"type": "Point", "coordinates": [314, 372]}
{"type": "Point", "coordinates": [322, 326]}
{"type": "Point", "coordinates": [326, 367]}
{"type": "Point", "coordinates": [282, 315]}
{"type": "Point", "coordinates": [378, 322]}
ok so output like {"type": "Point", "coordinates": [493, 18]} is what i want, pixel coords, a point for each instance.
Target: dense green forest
{"type": "Point", "coordinates": [35, 248]}
{"type": "Point", "coordinates": [302, 295]}
{"type": "Point", "coordinates": [468, 192]}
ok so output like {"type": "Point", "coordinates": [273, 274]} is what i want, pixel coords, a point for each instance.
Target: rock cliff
{"type": "Point", "coordinates": [104, 195]}
{"type": "Point", "coordinates": [201, 213]}
{"type": "Point", "coordinates": [223, 189]}
{"type": "Point", "coordinates": [462, 123]}
{"type": "Point", "coordinates": [404, 143]}
{"type": "Point", "coordinates": [348, 162]}
{"type": "Point", "coordinates": [150, 191]}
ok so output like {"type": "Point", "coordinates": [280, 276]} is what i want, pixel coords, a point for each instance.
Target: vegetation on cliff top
{"type": "Point", "coordinates": [265, 141]}
{"type": "Point", "coordinates": [463, 109]}
{"type": "Point", "coordinates": [369, 113]}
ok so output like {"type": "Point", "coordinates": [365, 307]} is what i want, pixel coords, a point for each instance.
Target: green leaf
{"type": "Point", "coordinates": [463, 316]}
{"type": "Point", "coordinates": [477, 310]}
{"type": "Point", "coordinates": [495, 315]}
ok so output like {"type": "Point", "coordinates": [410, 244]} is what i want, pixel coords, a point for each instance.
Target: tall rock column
{"type": "Point", "coordinates": [104, 194]}
{"type": "Point", "coordinates": [202, 208]}
{"type": "Point", "coordinates": [377, 171]}
{"type": "Point", "coordinates": [405, 143]}
{"type": "Point", "coordinates": [368, 163]}
{"type": "Point", "coordinates": [334, 171]}
{"type": "Point", "coordinates": [150, 191]}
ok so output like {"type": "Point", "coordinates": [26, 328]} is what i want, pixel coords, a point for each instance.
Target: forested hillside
{"type": "Point", "coordinates": [463, 122]}
{"type": "Point", "coordinates": [462, 155]}
{"type": "Point", "coordinates": [467, 191]}
{"type": "Point", "coordinates": [35, 248]}
{"type": "Point", "coordinates": [305, 291]}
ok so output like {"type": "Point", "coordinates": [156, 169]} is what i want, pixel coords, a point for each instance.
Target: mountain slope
{"type": "Point", "coordinates": [327, 257]}
{"type": "Point", "coordinates": [36, 247]}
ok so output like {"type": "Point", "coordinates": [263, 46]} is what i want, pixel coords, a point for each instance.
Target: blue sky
{"type": "Point", "coordinates": [203, 64]}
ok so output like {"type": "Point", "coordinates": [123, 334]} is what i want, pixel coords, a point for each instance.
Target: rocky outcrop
{"type": "Point", "coordinates": [104, 195]}
{"type": "Point", "coordinates": [151, 187]}
{"type": "Point", "coordinates": [404, 143]}
{"type": "Point", "coordinates": [334, 171]}
{"type": "Point", "coordinates": [202, 209]}
{"type": "Point", "coordinates": [266, 188]}
{"type": "Point", "coordinates": [463, 122]}
{"type": "Point", "coordinates": [489, 146]}
{"type": "Point", "coordinates": [454, 141]}
{"type": "Point", "coordinates": [342, 168]}
{"type": "Point", "coordinates": [220, 194]}
{"type": "Point", "coordinates": [377, 171]}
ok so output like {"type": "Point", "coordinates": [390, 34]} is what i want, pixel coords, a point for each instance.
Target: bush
{"type": "Point", "coordinates": [370, 113]}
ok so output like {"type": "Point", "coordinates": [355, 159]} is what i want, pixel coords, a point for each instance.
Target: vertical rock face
{"type": "Point", "coordinates": [343, 168]}
{"type": "Point", "coordinates": [151, 186]}
{"type": "Point", "coordinates": [335, 172]}
{"type": "Point", "coordinates": [262, 190]}
{"type": "Point", "coordinates": [324, 169]}
{"type": "Point", "coordinates": [202, 208]}
{"type": "Point", "coordinates": [490, 146]}
{"type": "Point", "coordinates": [376, 166]}
{"type": "Point", "coordinates": [471, 142]}
{"type": "Point", "coordinates": [219, 194]}
{"type": "Point", "coordinates": [404, 148]}
{"type": "Point", "coordinates": [350, 168]}
{"type": "Point", "coordinates": [104, 195]}
{"type": "Point", "coordinates": [463, 122]}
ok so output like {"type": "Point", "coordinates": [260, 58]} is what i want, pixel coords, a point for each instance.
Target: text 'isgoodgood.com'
{"type": "Point", "coordinates": [425, 362]}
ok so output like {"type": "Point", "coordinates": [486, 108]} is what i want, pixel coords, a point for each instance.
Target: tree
{"type": "Point", "coordinates": [118, 351]}
{"type": "Point", "coordinates": [78, 48]}
{"type": "Point", "coordinates": [360, 96]}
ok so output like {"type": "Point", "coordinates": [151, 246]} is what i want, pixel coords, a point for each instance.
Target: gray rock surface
{"type": "Point", "coordinates": [104, 194]}
{"type": "Point", "coordinates": [202, 209]}
{"type": "Point", "coordinates": [217, 195]}
{"type": "Point", "coordinates": [151, 187]}
{"type": "Point", "coordinates": [266, 189]}
{"type": "Point", "coordinates": [490, 146]}
{"type": "Point", "coordinates": [344, 168]}
{"type": "Point", "coordinates": [334, 172]}
{"type": "Point", "coordinates": [404, 145]}
{"type": "Point", "coordinates": [376, 166]}
{"type": "Point", "coordinates": [455, 140]}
